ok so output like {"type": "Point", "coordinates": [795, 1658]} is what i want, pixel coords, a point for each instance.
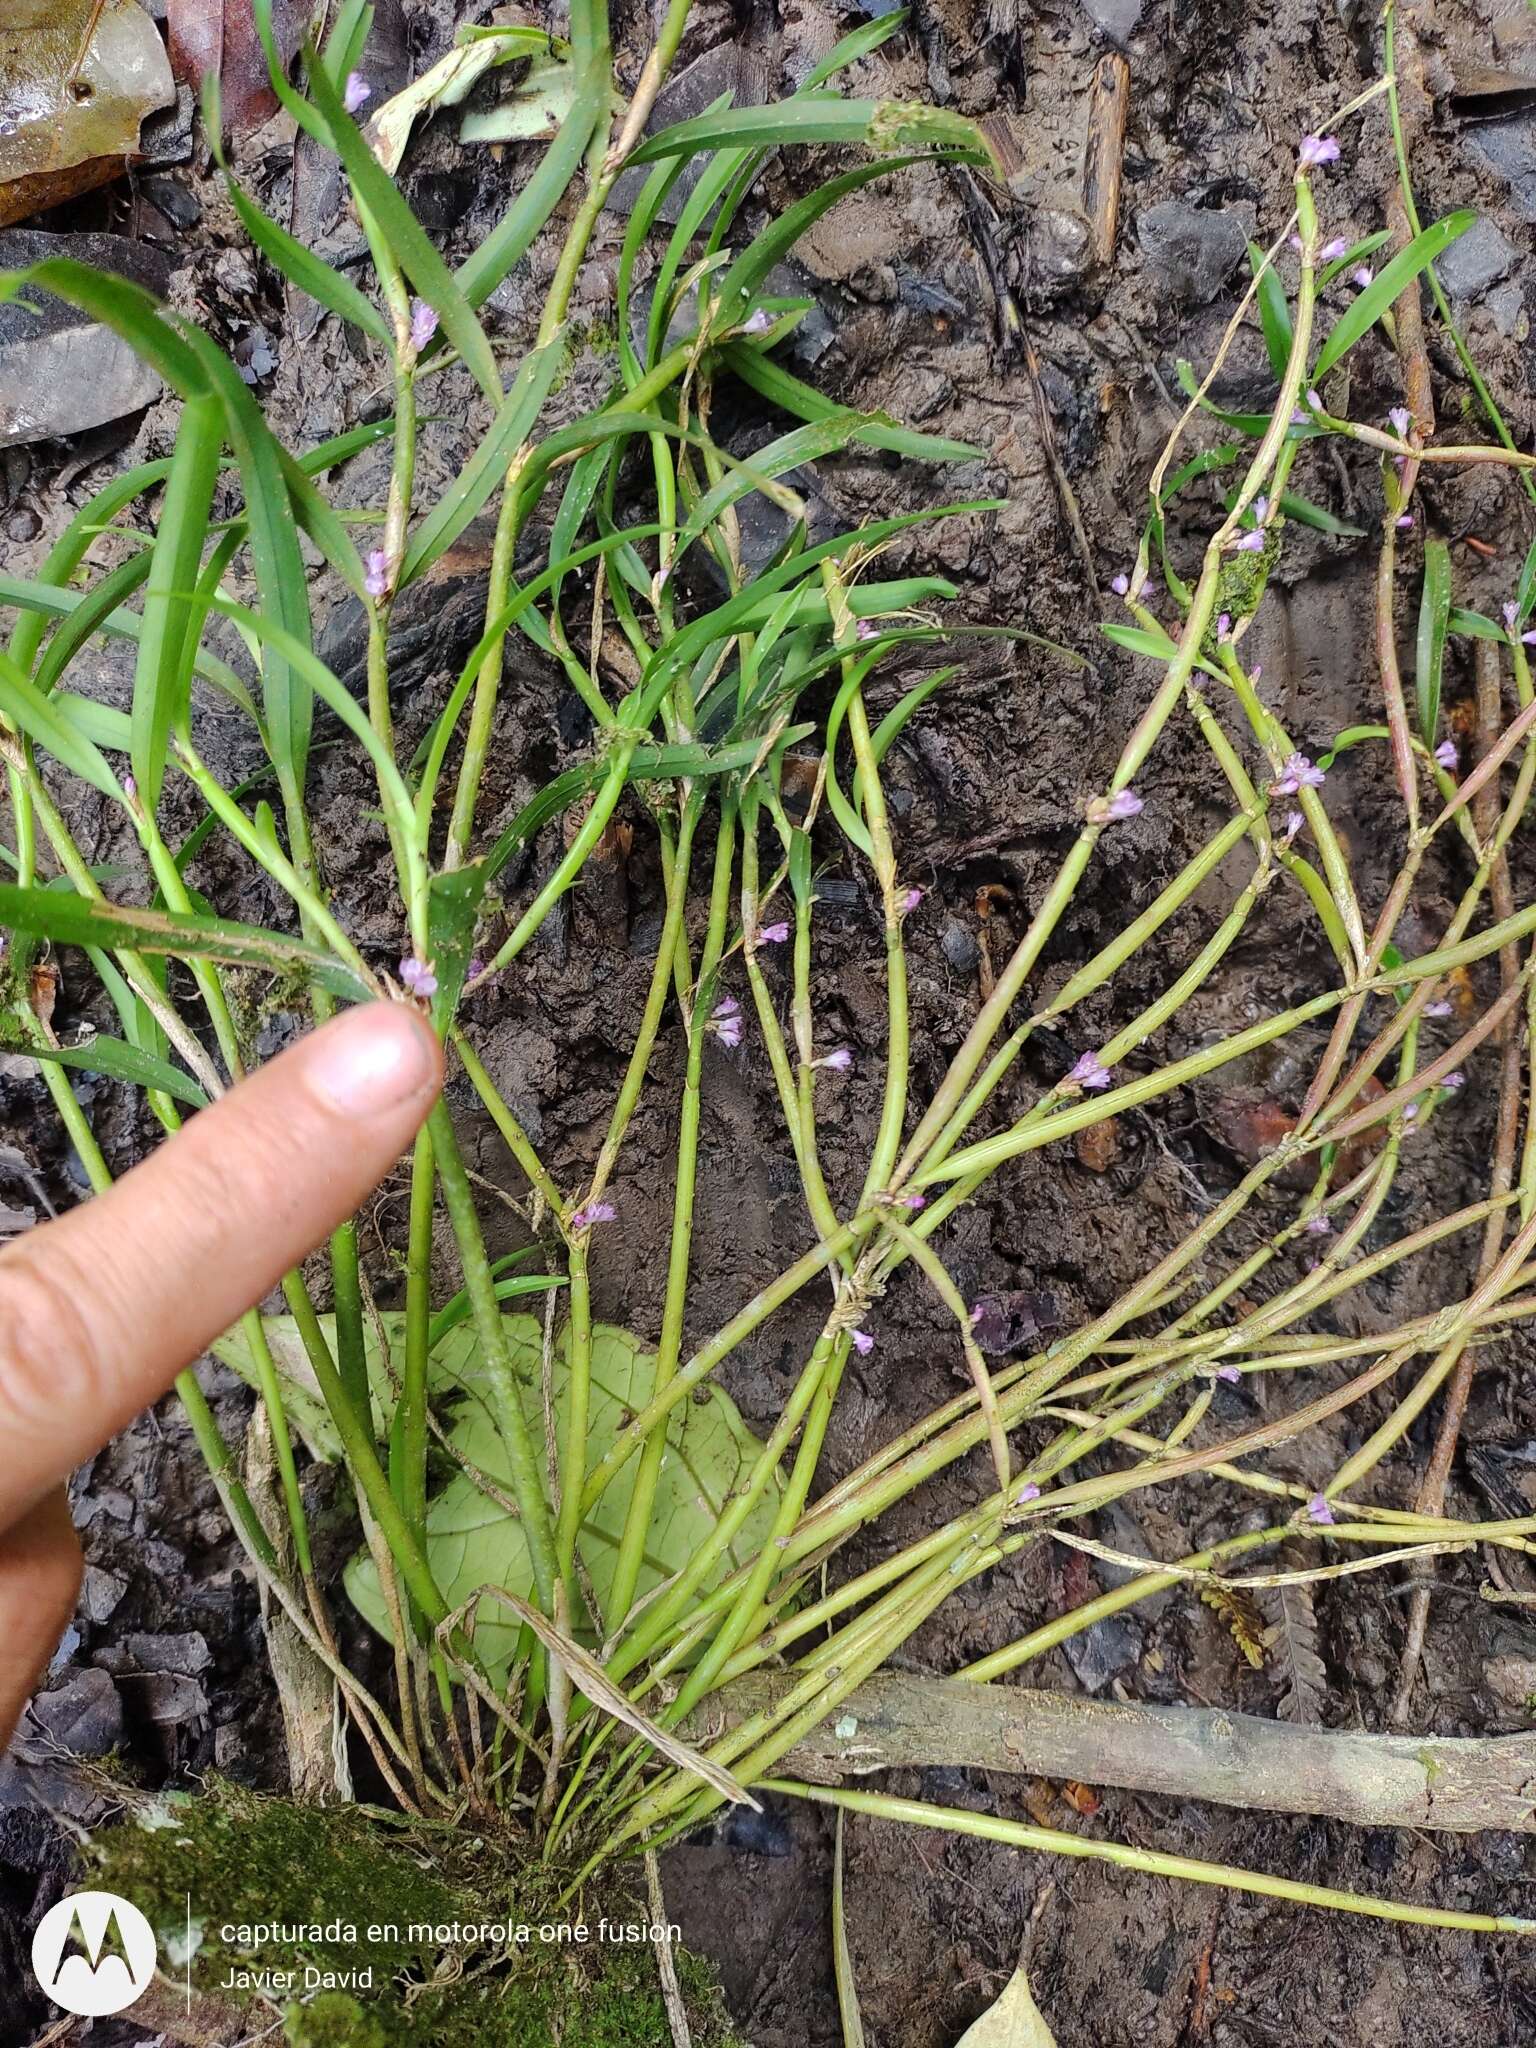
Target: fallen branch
{"type": "Point", "coordinates": [898, 1720]}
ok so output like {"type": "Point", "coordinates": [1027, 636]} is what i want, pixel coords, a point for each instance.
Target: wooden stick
{"type": "Point", "coordinates": [1109, 102]}
{"type": "Point", "coordinates": [898, 1720]}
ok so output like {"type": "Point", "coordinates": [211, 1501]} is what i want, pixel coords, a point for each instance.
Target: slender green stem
{"type": "Point", "coordinates": [522, 1456]}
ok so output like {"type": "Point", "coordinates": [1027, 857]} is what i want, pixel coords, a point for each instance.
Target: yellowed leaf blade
{"type": "Point", "coordinates": [1014, 2022]}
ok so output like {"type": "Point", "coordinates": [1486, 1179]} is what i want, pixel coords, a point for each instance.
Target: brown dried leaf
{"type": "Point", "coordinates": [1291, 1641]}
{"type": "Point", "coordinates": [77, 78]}
{"type": "Point", "coordinates": [1238, 1611]}
{"type": "Point", "coordinates": [220, 36]}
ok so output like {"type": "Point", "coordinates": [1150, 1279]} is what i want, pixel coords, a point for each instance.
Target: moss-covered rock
{"type": "Point", "coordinates": [367, 1931]}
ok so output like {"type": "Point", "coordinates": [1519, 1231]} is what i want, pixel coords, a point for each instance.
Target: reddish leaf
{"type": "Point", "coordinates": [220, 36]}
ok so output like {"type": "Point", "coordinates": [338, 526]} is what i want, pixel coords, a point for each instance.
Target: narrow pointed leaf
{"type": "Point", "coordinates": [76, 921]}
{"type": "Point", "coordinates": [1391, 282]}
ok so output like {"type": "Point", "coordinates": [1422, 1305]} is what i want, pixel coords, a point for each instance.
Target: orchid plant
{"type": "Point", "coordinates": [567, 1688]}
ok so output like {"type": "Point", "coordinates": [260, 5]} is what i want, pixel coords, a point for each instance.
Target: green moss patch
{"type": "Point", "coordinates": [369, 1932]}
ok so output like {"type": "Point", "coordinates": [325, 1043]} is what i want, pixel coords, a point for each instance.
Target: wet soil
{"type": "Point", "coordinates": [985, 790]}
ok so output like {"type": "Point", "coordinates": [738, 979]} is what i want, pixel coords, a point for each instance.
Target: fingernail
{"type": "Point", "coordinates": [372, 1059]}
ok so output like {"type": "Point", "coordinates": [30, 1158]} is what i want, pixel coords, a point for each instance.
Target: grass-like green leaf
{"type": "Point", "coordinates": [1525, 592]}
{"type": "Point", "coordinates": [172, 622]}
{"type": "Point", "coordinates": [823, 117]}
{"type": "Point", "coordinates": [407, 239]}
{"type": "Point", "coordinates": [1274, 311]}
{"type": "Point", "coordinates": [119, 1061]}
{"type": "Point", "coordinates": [46, 601]}
{"type": "Point", "coordinates": [301, 266]}
{"type": "Point", "coordinates": [486, 469]}
{"type": "Point", "coordinates": [75, 921]}
{"type": "Point", "coordinates": [1434, 621]}
{"type": "Point", "coordinates": [513, 236]}
{"type": "Point", "coordinates": [740, 285]}
{"type": "Point", "coordinates": [1393, 279]}
{"type": "Point", "coordinates": [1474, 626]}
{"type": "Point", "coordinates": [1139, 640]}
{"type": "Point", "coordinates": [39, 717]}
{"type": "Point", "coordinates": [756, 369]}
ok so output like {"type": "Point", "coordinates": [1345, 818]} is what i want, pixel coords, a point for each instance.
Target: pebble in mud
{"type": "Point", "coordinates": [1102, 1652]}
{"type": "Point", "coordinates": [1193, 250]}
{"type": "Point", "coordinates": [1475, 260]}
{"type": "Point", "coordinates": [960, 948]}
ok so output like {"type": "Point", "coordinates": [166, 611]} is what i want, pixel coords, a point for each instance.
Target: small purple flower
{"type": "Point", "coordinates": [1401, 420]}
{"type": "Point", "coordinates": [590, 1213]}
{"type": "Point", "coordinates": [1295, 242]}
{"type": "Point", "coordinates": [912, 1201]}
{"type": "Point", "coordinates": [1229, 1373]}
{"type": "Point", "coordinates": [423, 324]}
{"type": "Point", "coordinates": [131, 788]}
{"type": "Point", "coordinates": [977, 1312]}
{"type": "Point", "coordinates": [357, 91]}
{"type": "Point", "coordinates": [1318, 1226]}
{"type": "Point", "coordinates": [1439, 1009]}
{"type": "Point", "coordinates": [1089, 1073]}
{"type": "Point", "coordinates": [376, 581]}
{"type": "Point", "coordinates": [1447, 756]}
{"type": "Point", "coordinates": [1362, 276]}
{"type": "Point", "coordinates": [1224, 626]}
{"type": "Point", "coordinates": [1113, 810]}
{"type": "Point", "coordinates": [475, 968]}
{"type": "Point", "coordinates": [1332, 251]}
{"type": "Point", "coordinates": [1319, 1510]}
{"type": "Point", "coordinates": [1316, 150]}
{"type": "Point", "coordinates": [1121, 585]}
{"type": "Point", "coordinates": [1299, 772]}
{"type": "Point", "coordinates": [863, 1343]}
{"type": "Point", "coordinates": [1029, 1492]}
{"type": "Point", "coordinates": [1261, 507]}
{"type": "Point", "coordinates": [1410, 1112]}
{"type": "Point", "coordinates": [1293, 824]}
{"type": "Point", "coordinates": [1249, 543]}
{"type": "Point", "coordinates": [759, 322]}
{"type": "Point", "coordinates": [909, 899]}
{"type": "Point", "coordinates": [726, 1023]}
{"type": "Point", "coordinates": [839, 1060]}
{"type": "Point", "coordinates": [417, 976]}
{"type": "Point", "coordinates": [773, 934]}
{"type": "Point", "coordinates": [1453, 1081]}
{"type": "Point", "coordinates": [1404, 521]}
{"type": "Point", "coordinates": [1314, 401]}
{"type": "Point", "coordinates": [1299, 418]}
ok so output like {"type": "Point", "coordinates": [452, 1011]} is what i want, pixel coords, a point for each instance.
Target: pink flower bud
{"type": "Point", "coordinates": [590, 1213]}
{"type": "Point", "coordinates": [356, 92]}
{"type": "Point", "coordinates": [1089, 1073]}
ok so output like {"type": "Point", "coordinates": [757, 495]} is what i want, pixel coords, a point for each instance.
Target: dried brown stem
{"type": "Point", "coordinates": [1431, 1494]}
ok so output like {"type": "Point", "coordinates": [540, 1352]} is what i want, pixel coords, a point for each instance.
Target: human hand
{"type": "Point", "coordinates": [100, 1310]}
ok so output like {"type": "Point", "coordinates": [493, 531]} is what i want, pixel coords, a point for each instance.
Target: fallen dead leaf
{"type": "Point", "coordinates": [1014, 2022]}
{"type": "Point", "coordinates": [77, 78]}
{"type": "Point", "coordinates": [219, 36]}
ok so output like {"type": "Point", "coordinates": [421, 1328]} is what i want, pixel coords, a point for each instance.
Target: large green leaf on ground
{"type": "Point", "coordinates": [472, 1540]}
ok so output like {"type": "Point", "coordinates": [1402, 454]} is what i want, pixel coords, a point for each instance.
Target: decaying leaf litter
{"type": "Point", "coordinates": [1001, 839]}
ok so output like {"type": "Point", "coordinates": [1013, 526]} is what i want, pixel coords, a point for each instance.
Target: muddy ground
{"type": "Point", "coordinates": [984, 789]}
